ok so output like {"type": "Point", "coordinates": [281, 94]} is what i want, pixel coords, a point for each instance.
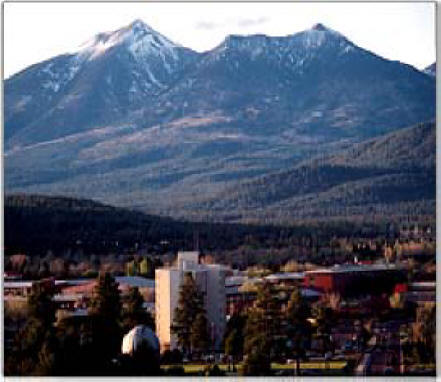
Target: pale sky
{"type": "Point", "coordinates": [34, 32]}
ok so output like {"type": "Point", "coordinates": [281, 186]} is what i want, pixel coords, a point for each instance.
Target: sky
{"type": "Point", "coordinates": [34, 32]}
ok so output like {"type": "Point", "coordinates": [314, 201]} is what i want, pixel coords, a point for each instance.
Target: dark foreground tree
{"type": "Point", "coordinates": [134, 313]}
{"type": "Point", "coordinates": [190, 305]}
{"type": "Point", "coordinates": [200, 336]}
{"type": "Point", "coordinates": [106, 299]}
{"type": "Point", "coordinates": [234, 337]}
{"type": "Point", "coordinates": [257, 361]}
{"type": "Point", "coordinates": [35, 345]}
{"type": "Point", "coordinates": [261, 328]}
{"type": "Point", "coordinates": [324, 317]}
{"type": "Point", "coordinates": [102, 333]}
{"type": "Point", "coordinates": [297, 326]}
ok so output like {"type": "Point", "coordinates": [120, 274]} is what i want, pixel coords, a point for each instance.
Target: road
{"type": "Point", "coordinates": [384, 356]}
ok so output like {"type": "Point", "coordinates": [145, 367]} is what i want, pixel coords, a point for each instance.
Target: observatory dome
{"type": "Point", "coordinates": [138, 336]}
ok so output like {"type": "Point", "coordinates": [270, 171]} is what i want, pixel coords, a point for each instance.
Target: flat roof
{"type": "Point", "coordinates": [17, 284]}
{"type": "Point", "coordinates": [345, 268]}
{"type": "Point", "coordinates": [136, 281]}
{"type": "Point", "coordinates": [286, 276]}
{"type": "Point", "coordinates": [232, 281]}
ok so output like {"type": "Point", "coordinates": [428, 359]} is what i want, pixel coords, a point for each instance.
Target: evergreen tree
{"type": "Point", "coordinates": [324, 318]}
{"type": "Point", "coordinates": [49, 357]}
{"type": "Point", "coordinates": [257, 361]}
{"type": "Point", "coordinates": [298, 328]}
{"type": "Point", "coordinates": [134, 313]}
{"type": "Point", "coordinates": [190, 304]}
{"type": "Point", "coordinates": [41, 306]}
{"type": "Point", "coordinates": [31, 338]}
{"type": "Point", "coordinates": [105, 335]}
{"type": "Point", "coordinates": [106, 300]}
{"type": "Point", "coordinates": [200, 336]}
{"type": "Point", "coordinates": [234, 337]}
{"type": "Point", "coordinates": [261, 327]}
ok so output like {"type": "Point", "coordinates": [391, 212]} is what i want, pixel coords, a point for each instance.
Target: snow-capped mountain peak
{"type": "Point", "coordinates": [318, 35]}
{"type": "Point", "coordinates": [138, 37]}
{"type": "Point", "coordinates": [431, 70]}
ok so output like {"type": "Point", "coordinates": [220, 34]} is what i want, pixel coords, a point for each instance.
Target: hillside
{"type": "Point", "coordinates": [385, 176]}
{"type": "Point", "coordinates": [35, 224]}
{"type": "Point", "coordinates": [74, 229]}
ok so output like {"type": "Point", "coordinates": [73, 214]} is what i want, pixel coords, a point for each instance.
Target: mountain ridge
{"type": "Point", "coordinates": [251, 106]}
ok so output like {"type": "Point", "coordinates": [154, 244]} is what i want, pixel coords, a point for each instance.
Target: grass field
{"type": "Point", "coordinates": [332, 365]}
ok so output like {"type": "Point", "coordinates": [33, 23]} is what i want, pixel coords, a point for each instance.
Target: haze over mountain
{"type": "Point", "coordinates": [135, 120]}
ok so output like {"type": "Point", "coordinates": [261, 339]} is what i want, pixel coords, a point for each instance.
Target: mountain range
{"type": "Point", "coordinates": [135, 120]}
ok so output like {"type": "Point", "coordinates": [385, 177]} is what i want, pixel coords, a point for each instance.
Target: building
{"type": "Point", "coordinates": [421, 293]}
{"type": "Point", "coordinates": [210, 279]}
{"type": "Point", "coordinates": [286, 278]}
{"type": "Point", "coordinates": [350, 280]}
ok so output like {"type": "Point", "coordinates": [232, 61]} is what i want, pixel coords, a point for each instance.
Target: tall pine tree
{"type": "Point", "coordinates": [134, 313]}
{"type": "Point", "coordinates": [297, 326]}
{"type": "Point", "coordinates": [190, 305]}
{"type": "Point", "coordinates": [261, 327]}
{"type": "Point", "coordinates": [31, 339]}
{"type": "Point", "coordinates": [105, 329]}
{"type": "Point", "coordinates": [106, 299]}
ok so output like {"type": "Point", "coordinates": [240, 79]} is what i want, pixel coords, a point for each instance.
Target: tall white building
{"type": "Point", "coordinates": [210, 280]}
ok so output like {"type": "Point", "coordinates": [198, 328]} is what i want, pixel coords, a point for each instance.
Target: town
{"type": "Point", "coordinates": [218, 189]}
{"type": "Point", "coordinates": [192, 316]}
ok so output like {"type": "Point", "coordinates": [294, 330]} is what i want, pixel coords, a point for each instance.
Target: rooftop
{"type": "Point", "coordinates": [346, 268]}
{"type": "Point", "coordinates": [286, 276]}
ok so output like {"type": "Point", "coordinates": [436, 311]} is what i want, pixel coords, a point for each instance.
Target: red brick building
{"type": "Point", "coordinates": [355, 279]}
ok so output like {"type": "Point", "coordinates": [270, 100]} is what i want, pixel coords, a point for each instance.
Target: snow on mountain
{"type": "Point", "coordinates": [102, 82]}
{"type": "Point", "coordinates": [317, 36]}
{"type": "Point", "coordinates": [431, 70]}
{"type": "Point", "coordinates": [309, 82]}
{"type": "Point", "coordinates": [131, 116]}
{"type": "Point", "coordinates": [139, 38]}
{"type": "Point", "coordinates": [292, 50]}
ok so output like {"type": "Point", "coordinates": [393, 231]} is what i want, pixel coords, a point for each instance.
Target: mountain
{"type": "Point", "coordinates": [314, 83]}
{"type": "Point", "coordinates": [389, 175]}
{"type": "Point", "coordinates": [110, 76]}
{"type": "Point", "coordinates": [431, 70]}
{"type": "Point", "coordinates": [137, 121]}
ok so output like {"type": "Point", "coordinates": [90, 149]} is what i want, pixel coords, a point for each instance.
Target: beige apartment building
{"type": "Point", "coordinates": [210, 279]}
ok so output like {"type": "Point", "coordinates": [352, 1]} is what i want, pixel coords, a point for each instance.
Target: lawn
{"type": "Point", "coordinates": [333, 365]}
{"type": "Point", "coordinates": [190, 368]}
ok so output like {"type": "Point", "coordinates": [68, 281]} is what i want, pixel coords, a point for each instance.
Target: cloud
{"type": "Point", "coordinates": [207, 25]}
{"type": "Point", "coordinates": [252, 22]}
{"type": "Point", "coordinates": [242, 23]}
